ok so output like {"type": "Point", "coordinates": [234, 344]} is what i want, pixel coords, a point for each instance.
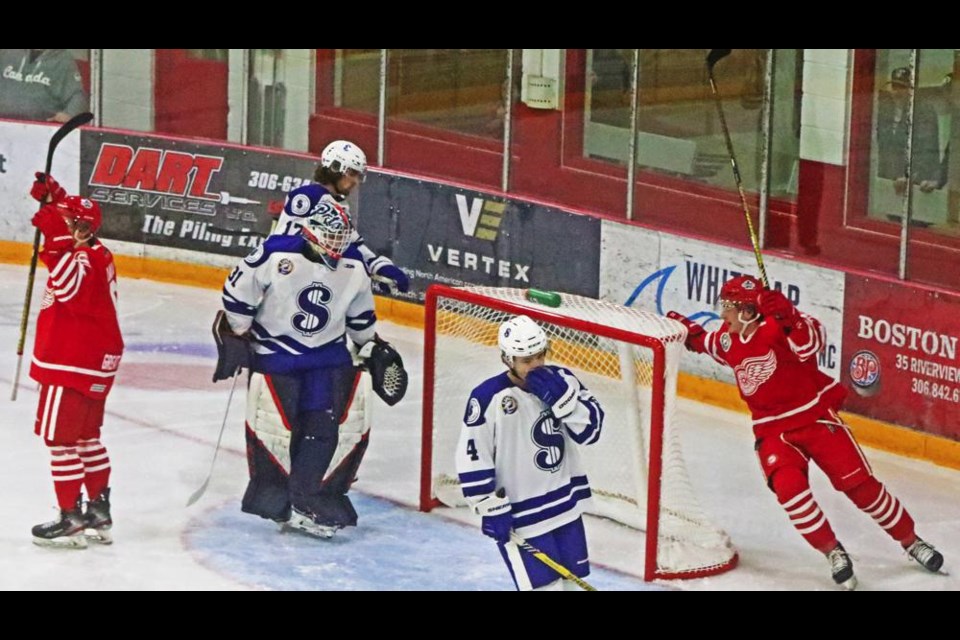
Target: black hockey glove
{"type": "Point", "coordinates": [386, 369]}
{"type": "Point", "coordinates": [233, 352]}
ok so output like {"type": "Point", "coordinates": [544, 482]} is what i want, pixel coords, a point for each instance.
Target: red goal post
{"type": "Point", "coordinates": [629, 359]}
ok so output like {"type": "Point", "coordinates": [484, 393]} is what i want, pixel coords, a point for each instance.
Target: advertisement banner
{"type": "Point", "coordinates": [187, 195]}
{"type": "Point", "coordinates": [900, 355]}
{"type": "Point", "coordinates": [659, 272]}
{"type": "Point", "coordinates": [455, 236]}
{"type": "Point", "coordinates": [23, 151]}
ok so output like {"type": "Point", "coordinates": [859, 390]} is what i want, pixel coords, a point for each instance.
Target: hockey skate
{"type": "Point", "coordinates": [842, 568]}
{"type": "Point", "coordinates": [305, 523]}
{"type": "Point", "coordinates": [924, 553]}
{"type": "Point", "coordinates": [97, 519]}
{"type": "Point", "coordinates": [65, 533]}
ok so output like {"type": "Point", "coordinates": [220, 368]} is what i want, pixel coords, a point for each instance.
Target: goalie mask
{"type": "Point", "coordinates": [328, 231]}
{"type": "Point", "coordinates": [520, 336]}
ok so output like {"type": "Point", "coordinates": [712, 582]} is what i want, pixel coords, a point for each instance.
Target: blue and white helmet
{"type": "Point", "coordinates": [342, 155]}
{"type": "Point", "coordinates": [328, 229]}
{"type": "Point", "coordinates": [520, 337]}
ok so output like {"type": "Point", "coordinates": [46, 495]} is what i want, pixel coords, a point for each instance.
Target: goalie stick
{"type": "Point", "coordinates": [76, 121]}
{"type": "Point", "coordinates": [196, 495]}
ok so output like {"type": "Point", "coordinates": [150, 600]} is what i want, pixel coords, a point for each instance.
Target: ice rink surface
{"type": "Point", "coordinates": [163, 418]}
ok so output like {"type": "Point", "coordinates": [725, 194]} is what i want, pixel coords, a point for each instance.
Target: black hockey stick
{"type": "Point", "coordinates": [196, 495]}
{"type": "Point", "coordinates": [550, 562]}
{"type": "Point", "coordinates": [714, 56]}
{"type": "Point", "coordinates": [76, 121]}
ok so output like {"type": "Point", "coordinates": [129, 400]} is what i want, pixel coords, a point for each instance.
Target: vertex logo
{"type": "Point", "coordinates": [482, 218]}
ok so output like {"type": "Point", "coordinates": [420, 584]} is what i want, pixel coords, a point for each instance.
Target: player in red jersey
{"type": "Point", "coordinates": [75, 358]}
{"type": "Point", "coordinates": [772, 348]}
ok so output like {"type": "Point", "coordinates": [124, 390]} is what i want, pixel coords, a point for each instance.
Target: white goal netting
{"type": "Point", "coordinates": [636, 470]}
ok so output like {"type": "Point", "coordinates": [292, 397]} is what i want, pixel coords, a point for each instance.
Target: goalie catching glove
{"type": "Point", "coordinates": [233, 352]}
{"type": "Point", "coordinates": [386, 369]}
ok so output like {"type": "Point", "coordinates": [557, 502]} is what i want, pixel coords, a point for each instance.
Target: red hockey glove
{"type": "Point", "coordinates": [45, 186]}
{"type": "Point", "coordinates": [773, 304]}
{"type": "Point", "coordinates": [694, 330]}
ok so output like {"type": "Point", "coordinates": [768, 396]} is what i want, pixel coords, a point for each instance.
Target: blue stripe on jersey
{"type": "Point", "coordinates": [559, 493]}
{"type": "Point", "coordinates": [362, 321]}
{"type": "Point", "coordinates": [233, 305]}
{"type": "Point", "coordinates": [353, 252]}
{"type": "Point", "coordinates": [330, 355]}
{"type": "Point", "coordinates": [481, 489]}
{"type": "Point", "coordinates": [282, 344]}
{"type": "Point", "coordinates": [592, 431]}
{"type": "Point", "coordinates": [476, 483]}
{"type": "Point", "coordinates": [529, 519]}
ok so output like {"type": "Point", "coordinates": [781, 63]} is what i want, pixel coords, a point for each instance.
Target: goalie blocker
{"type": "Point", "coordinates": [233, 351]}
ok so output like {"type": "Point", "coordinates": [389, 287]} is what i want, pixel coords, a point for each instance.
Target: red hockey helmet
{"type": "Point", "coordinates": [81, 209]}
{"type": "Point", "coordinates": [739, 291]}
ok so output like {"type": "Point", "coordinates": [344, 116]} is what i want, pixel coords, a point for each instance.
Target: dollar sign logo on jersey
{"type": "Point", "coordinates": [313, 315]}
{"type": "Point", "coordinates": [546, 435]}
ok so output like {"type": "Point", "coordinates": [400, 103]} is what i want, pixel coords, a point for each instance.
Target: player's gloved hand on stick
{"type": "Point", "coordinates": [554, 390]}
{"type": "Point", "coordinates": [694, 330]}
{"type": "Point", "coordinates": [497, 517]}
{"type": "Point", "coordinates": [45, 186]}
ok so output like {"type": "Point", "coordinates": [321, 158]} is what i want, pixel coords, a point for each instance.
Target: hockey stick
{"type": "Point", "coordinates": [196, 495]}
{"type": "Point", "coordinates": [76, 121]}
{"type": "Point", "coordinates": [550, 562]}
{"type": "Point", "coordinates": [714, 56]}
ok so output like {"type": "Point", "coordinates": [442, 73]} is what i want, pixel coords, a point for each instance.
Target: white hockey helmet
{"type": "Point", "coordinates": [342, 155]}
{"type": "Point", "coordinates": [328, 229]}
{"type": "Point", "coordinates": [520, 337]}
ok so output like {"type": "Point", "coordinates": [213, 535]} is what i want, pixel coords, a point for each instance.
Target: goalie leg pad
{"type": "Point", "coordinates": [312, 448]}
{"type": "Point", "coordinates": [267, 494]}
{"type": "Point", "coordinates": [339, 480]}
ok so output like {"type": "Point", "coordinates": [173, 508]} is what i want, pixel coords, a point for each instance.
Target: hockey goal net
{"type": "Point", "coordinates": [629, 359]}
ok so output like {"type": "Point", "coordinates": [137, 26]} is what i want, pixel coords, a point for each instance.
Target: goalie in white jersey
{"type": "Point", "coordinates": [297, 299]}
{"type": "Point", "coordinates": [518, 462]}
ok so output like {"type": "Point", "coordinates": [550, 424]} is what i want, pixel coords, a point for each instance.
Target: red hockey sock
{"type": "Point", "coordinates": [67, 470]}
{"type": "Point", "coordinates": [96, 466]}
{"type": "Point", "coordinates": [793, 493]}
{"type": "Point", "coordinates": [874, 499]}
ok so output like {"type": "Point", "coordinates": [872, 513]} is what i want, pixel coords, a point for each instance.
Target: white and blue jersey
{"type": "Point", "coordinates": [304, 201]}
{"type": "Point", "coordinates": [511, 440]}
{"type": "Point", "coordinates": [298, 311]}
